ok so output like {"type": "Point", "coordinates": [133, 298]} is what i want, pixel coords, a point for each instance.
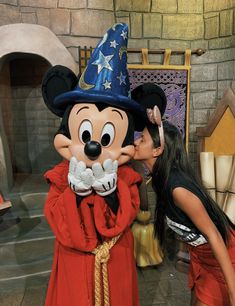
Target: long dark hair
{"type": "Point", "coordinates": [175, 156]}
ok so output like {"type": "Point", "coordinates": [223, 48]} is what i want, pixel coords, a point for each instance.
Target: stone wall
{"type": "Point", "coordinates": [6, 177]}
{"type": "Point", "coordinates": [175, 24]}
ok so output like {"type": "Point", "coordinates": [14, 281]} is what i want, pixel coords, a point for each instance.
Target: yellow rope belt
{"type": "Point", "coordinates": [101, 259]}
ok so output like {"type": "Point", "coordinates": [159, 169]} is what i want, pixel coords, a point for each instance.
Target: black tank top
{"type": "Point", "coordinates": [176, 219]}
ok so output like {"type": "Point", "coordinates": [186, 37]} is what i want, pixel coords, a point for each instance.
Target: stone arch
{"type": "Point", "coordinates": [35, 39]}
{"type": "Point", "coordinates": [32, 40]}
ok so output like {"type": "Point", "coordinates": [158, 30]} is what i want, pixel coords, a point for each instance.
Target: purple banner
{"type": "Point", "coordinates": [174, 84]}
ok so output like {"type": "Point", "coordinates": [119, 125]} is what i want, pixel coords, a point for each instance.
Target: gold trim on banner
{"type": "Point", "coordinates": [187, 57]}
{"type": "Point", "coordinates": [145, 56]}
{"type": "Point", "coordinates": [167, 56]}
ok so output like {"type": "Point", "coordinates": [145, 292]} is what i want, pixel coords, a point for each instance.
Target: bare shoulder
{"type": "Point", "coordinates": [187, 201]}
{"type": "Point", "coordinates": [181, 194]}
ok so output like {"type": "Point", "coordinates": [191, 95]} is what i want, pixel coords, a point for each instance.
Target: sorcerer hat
{"type": "Point", "coordinates": [104, 80]}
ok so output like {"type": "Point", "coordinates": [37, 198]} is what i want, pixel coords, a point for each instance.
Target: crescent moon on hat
{"type": "Point", "coordinates": [114, 26]}
{"type": "Point", "coordinates": [83, 84]}
{"type": "Point", "coordinates": [103, 40]}
{"type": "Point", "coordinates": [122, 50]}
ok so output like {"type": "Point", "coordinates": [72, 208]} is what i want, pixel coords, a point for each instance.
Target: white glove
{"type": "Point", "coordinates": [105, 177]}
{"type": "Point", "coordinates": [80, 178]}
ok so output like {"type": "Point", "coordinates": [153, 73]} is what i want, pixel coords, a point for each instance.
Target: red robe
{"type": "Point", "coordinates": [72, 277]}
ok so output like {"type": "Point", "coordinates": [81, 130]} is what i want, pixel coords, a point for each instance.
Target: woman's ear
{"type": "Point", "coordinates": [157, 151]}
{"type": "Point", "coordinates": [62, 143]}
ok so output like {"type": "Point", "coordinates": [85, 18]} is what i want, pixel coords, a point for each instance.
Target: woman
{"type": "Point", "coordinates": [189, 211]}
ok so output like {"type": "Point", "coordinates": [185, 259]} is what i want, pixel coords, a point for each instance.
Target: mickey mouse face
{"type": "Point", "coordinates": [96, 135]}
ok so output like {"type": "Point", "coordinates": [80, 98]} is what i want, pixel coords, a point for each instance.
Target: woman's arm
{"type": "Point", "coordinates": [192, 206]}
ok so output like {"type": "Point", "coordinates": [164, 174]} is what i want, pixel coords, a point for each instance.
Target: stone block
{"type": "Point", "coordinates": [184, 27]}
{"type": "Point", "coordinates": [222, 42]}
{"type": "Point", "coordinates": [136, 25]}
{"type": "Point", "coordinates": [199, 44]}
{"type": "Point", "coordinates": [42, 122]}
{"type": "Point", "coordinates": [122, 14]}
{"type": "Point", "coordinates": [163, 6]}
{"type": "Point", "coordinates": [152, 25]}
{"type": "Point", "coordinates": [234, 21]}
{"type": "Point", "coordinates": [165, 43]}
{"type": "Point", "coordinates": [71, 41]}
{"type": "Point", "coordinates": [39, 3]}
{"type": "Point", "coordinates": [140, 5]}
{"type": "Point", "coordinates": [60, 21]}
{"type": "Point", "coordinates": [123, 5]}
{"type": "Point", "coordinates": [134, 5]}
{"type": "Point", "coordinates": [201, 116]}
{"type": "Point", "coordinates": [22, 91]}
{"type": "Point", "coordinates": [233, 85]}
{"type": "Point", "coordinates": [177, 59]}
{"type": "Point", "coordinates": [214, 56]}
{"type": "Point", "coordinates": [222, 86]}
{"type": "Point", "coordinates": [103, 5]}
{"type": "Point", "coordinates": [9, 14]}
{"type": "Point", "coordinates": [43, 17]}
{"type": "Point", "coordinates": [72, 4]}
{"type": "Point", "coordinates": [134, 58]}
{"type": "Point", "coordinates": [156, 59]}
{"type": "Point", "coordinates": [9, 2]}
{"type": "Point", "coordinates": [204, 72]}
{"type": "Point", "coordinates": [226, 70]}
{"type": "Point", "coordinates": [218, 5]}
{"type": "Point", "coordinates": [192, 6]}
{"type": "Point", "coordinates": [211, 113]}
{"type": "Point", "coordinates": [29, 18]}
{"type": "Point", "coordinates": [226, 23]}
{"type": "Point", "coordinates": [137, 43]}
{"type": "Point", "coordinates": [74, 52]}
{"type": "Point", "coordinates": [192, 130]}
{"type": "Point", "coordinates": [212, 27]}
{"type": "Point", "coordinates": [28, 9]}
{"type": "Point", "coordinates": [205, 99]}
{"type": "Point", "coordinates": [202, 86]}
{"type": "Point", "coordinates": [211, 14]}
{"type": "Point", "coordinates": [124, 20]}
{"type": "Point", "coordinates": [91, 22]}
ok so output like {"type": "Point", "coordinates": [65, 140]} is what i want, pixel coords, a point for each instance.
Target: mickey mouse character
{"type": "Point", "coordinates": [93, 197]}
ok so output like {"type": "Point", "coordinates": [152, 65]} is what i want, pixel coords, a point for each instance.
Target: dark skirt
{"type": "Point", "coordinates": [206, 277]}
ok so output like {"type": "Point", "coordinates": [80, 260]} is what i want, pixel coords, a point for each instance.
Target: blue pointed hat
{"type": "Point", "coordinates": [105, 79]}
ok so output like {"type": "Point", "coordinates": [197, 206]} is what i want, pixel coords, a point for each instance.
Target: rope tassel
{"type": "Point", "coordinates": [102, 254]}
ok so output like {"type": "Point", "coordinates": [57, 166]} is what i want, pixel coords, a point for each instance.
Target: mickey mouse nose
{"type": "Point", "coordinates": [92, 149]}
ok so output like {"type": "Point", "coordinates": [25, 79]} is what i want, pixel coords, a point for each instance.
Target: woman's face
{"type": "Point", "coordinates": [144, 147]}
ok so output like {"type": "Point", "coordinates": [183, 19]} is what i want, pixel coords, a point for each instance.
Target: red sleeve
{"type": "Point", "coordinates": [66, 222]}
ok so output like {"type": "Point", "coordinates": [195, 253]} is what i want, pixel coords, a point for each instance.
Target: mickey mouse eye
{"type": "Point", "coordinates": [107, 135]}
{"type": "Point", "coordinates": [85, 131]}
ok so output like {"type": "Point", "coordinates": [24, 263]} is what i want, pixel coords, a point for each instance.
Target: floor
{"type": "Point", "coordinates": [163, 285]}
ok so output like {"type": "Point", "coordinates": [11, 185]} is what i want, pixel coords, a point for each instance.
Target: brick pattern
{"type": "Point", "coordinates": [178, 24]}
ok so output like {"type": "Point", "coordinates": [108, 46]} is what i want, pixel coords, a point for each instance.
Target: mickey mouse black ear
{"type": "Point", "coordinates": [57, 80]}
{"type": "Point", "coordinates": [148, 95]}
